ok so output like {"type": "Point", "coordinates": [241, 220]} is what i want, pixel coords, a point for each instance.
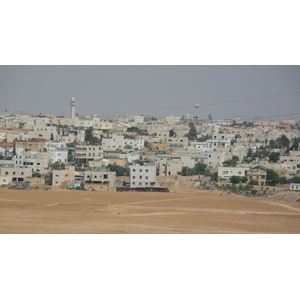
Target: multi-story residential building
{"type": "Point", "coordinates": [104, 176]}
{"type": "Point", "coordinates": [32, 145]}
{"type": "Point", "coordinates": [3, 136]}
{"type": "Point", "coordinates": [142, 176]}
{"type": "Point", "coordinates": [257, 173]}
{"type": "Point", "coordinates": [225, 173]}
{"type": "Point", "coordinates": [169, 167]}
{"type": "Point", "coordinates": [33, 161]}
{"type": "Point", "coordinates": [85, 153]}
{"type": "Point", "coordinates": [6, 149]}
{"type": "Point", "coordinates": [59, 155]}
{"type": "Point", "coordinates": [63, 177]}
{"type": "Point", "coordinates": [11, 175]}
{"type": "Point", "coordinates": [159, 146]}
{"type": "Point", "coordinates": [178, 142]}
{"type": "Point", "coordinates": [139, 119]}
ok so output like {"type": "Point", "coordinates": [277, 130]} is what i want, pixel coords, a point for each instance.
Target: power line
{"type": "Point", "coordinates": [285, 115]}
{"type": "Point", "coordinates": [201, 105]}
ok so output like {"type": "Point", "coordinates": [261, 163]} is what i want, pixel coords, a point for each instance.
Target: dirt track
{"type": "Point", "coordinates": [63, 211]}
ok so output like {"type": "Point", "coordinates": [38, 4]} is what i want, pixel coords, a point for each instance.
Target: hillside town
{"type": "Point", "coordinates": [137, 151]}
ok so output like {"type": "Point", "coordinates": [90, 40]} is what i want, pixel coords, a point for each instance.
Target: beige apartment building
{"type": "Point", "coordinates": [86, 153]}
{"type": "Point", "coordinates": [258, 173]}
{"type": "Point", "coordinates": [30, 145]}
{"type": "Point", "coordinates": [104, 177]}
{"type": "Point", "coordinates": [63, 178]}
{"type": "Point", "coordinates": [169, 167]}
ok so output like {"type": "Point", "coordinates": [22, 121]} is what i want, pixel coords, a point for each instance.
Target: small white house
{"type": "Point", "coordinates": [295, 187]}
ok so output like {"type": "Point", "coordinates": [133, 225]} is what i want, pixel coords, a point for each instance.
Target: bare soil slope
{"type": "Point", "coordinates": [202, 211]}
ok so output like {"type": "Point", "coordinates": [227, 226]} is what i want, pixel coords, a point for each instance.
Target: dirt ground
{"type": "Point", "coordinates": [187, 211]}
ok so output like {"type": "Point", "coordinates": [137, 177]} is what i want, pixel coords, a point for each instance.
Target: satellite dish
{"type": "Point", "coordinates": [197, 105]}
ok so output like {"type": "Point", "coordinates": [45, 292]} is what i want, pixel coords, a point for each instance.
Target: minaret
{"type": "Point", "coordinates": [73, 108]}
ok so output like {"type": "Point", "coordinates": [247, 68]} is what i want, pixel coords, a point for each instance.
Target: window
{"type": "Point", "coordinates": [141, 177]}
{"type": "Point", "coordinates": [133, 177]}
{"type": "Point", "coordinates": [133, 170]}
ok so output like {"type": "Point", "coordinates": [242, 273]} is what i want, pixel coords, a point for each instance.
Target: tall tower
{"type": "Point", "coordinates": [73, 108]}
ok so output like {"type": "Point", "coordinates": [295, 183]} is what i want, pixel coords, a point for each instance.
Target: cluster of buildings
{"type": "Point", "coordinates": [55, 150]}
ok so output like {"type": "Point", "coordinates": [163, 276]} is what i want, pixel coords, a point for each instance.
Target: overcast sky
{"type": "Point", "coordinates": [154, 90]}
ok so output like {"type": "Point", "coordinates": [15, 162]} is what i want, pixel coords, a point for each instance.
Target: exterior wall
{"type": "Point", "coordinates": [142, 176]}
{"type": "Point", "coordinates": [36, 181]}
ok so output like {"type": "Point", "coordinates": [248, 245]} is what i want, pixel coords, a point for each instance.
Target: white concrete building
{"type": "Point", "coordinates": [142, 176]}
{"type": "Point", "coordinates": [295, 187]}
{"type": "Point", "coordinates": [225, 173]}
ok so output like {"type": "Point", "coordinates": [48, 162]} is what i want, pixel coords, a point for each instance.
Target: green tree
{"type": "Point", "coordinates": [214, 176]}
{"type": "Point", "coordinates": [57, 166]}
{"type": "Point", "coordinates": [295, 179]}
{"type": "Point", "coordinates": [253, 182]}
{"type": "Point", "coordinates": [282, 180]}
{"type": "Point", "coordinates": [120, 171]}
{"type": "Point", "coordinates": [199, 168]}
{"type": "Point", "coordinates": [90, 138]}
{"type": "Point", "coordinates": [274, 157]}
{"type": "Point", "coordinates": [295, 144]}
{"type": "Point", "coordinates": [235, 179]}
{"type": "Point", "coordinates": [272, 177]}
{"type": "Point", "coordinates": [203, 138]}
{"type": "Point", "coordinates": [232, 162]}
{"type": "Point", "coordinates": [172, 133]}
{"type": "Point", "coordinates": [192, 135]}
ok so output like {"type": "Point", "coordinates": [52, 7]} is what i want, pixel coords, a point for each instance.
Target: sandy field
{"type": "Point", "coordinates": [198, 211]}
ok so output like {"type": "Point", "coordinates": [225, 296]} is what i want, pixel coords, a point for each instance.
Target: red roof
{"type": "Point", "coordinates": [6, 145]}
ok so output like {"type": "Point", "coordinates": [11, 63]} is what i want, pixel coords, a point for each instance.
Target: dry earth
{"type": "Point", "coordinates": [180, 211]}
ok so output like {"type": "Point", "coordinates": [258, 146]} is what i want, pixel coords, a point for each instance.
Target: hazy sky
{"type": "Point", "coordinates": [153, 90]}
